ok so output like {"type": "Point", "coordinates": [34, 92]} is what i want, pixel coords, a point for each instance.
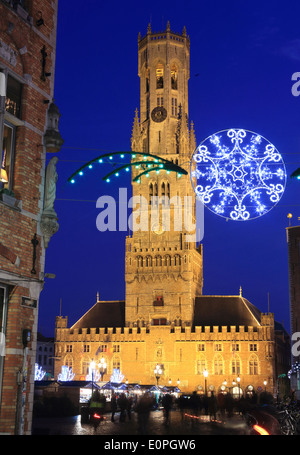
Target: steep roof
{"type": "Point", "coordinates": [103, 314]}
{"type": "Point", "coordinates": [225, 310]}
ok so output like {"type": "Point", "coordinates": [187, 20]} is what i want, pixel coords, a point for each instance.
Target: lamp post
{"type": "Point", "coordinates": [205, 374]}
{"type": "Point", "coordinates": [102, 367]}
{"type": "Point", "coordinates": [158, 373]}
{"type": "Point", "coordinates": [92, 369]}
{"type": "Point", "coordinates": [265, 384]}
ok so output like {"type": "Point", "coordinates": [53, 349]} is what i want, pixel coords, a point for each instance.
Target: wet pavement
{"type": "Point", "coordinates": [177, 426]}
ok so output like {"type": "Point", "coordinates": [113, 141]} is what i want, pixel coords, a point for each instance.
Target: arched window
{"type": "Point", "coordinates": [236, 366]}
{"type": "Point", "coordinates": [147, 80]}
{"type": "Point", "coordinates": [160, 76]}
{"type": "Point", "coordinates": [167, 260]}
{"type": "Point", "coordinates": [253, 364]}
{"type": "Point", "coordinates": [158, 261]}
{"type": "Point", "coordinates": [139, 261]}
{"type": "Point", "coordinates": [116, 363]}
{"type": "Point", "coordinates": [201, 365]}
{"type": "Point", "coordinates": [174, 76]}
{"type": "Point", "coordinates": [218, 365]}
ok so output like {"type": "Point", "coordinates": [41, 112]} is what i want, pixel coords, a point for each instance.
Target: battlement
{"type": "Point", "coordinates": [163, 36]}
{"type": "Point", "coordinates": [131, 334]}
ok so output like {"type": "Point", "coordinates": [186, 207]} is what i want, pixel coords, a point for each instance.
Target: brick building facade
{"type": "Point", "coordinates": [165, 320]}
{"type": "Point", "coordinates": [27, 134]}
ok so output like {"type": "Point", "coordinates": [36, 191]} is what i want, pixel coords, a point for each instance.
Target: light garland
{"type": "Point", "coordinates": [66, 374]}
{"type": "Point", "coordinates": [39, 373]}
{"type": "Point", "coordinates": [238, 174]}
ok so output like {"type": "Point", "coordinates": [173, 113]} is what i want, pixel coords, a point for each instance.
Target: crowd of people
{"type": "Point", "coordinates": [218, 407]}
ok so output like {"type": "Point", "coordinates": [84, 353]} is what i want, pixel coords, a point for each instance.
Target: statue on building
{"type": "Point", "coordinates": [49, 223]}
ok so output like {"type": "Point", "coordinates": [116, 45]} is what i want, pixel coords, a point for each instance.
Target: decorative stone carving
{"type": "Point", "coordinates": [49, 224]}
{"type": "Point", "coordinates": [52, 138]}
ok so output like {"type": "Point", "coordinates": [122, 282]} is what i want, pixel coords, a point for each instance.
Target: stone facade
{"type": "Point", "coordinates": [27, 66]}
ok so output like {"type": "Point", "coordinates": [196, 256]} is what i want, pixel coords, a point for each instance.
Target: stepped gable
{"type": "Point", "coordinates": [225, 311]}
{"type": "Point", "coordinates": [103, 314]}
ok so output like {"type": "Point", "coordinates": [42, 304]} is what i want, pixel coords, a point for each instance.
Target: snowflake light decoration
{"type": "Point", "coordinates": [238, 174]}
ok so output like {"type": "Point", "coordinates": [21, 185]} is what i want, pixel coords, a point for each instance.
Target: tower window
{"type": "Point", "coordinates": [174, 75]}
{"type": "Point", "coordinates": [159, 76]}
{"type": "Point", "coordinates": [174, 107]}
{"type": "Point", "coordinates": [160, 101]}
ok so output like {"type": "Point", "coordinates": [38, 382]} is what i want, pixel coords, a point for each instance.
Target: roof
{"type": "Point", "coordinates": [103, 314]}
{"type": "Point", "coordinates": [225, 311]}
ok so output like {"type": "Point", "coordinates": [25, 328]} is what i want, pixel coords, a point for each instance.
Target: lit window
{"type": "Point", "coordinates": [218, 365]}
{"type": "Point", "coordinates": [253, 365]}
{"type": "Point", "coordinates": [174, 75]}
{"type": "Point", "coordinates": [159, 76]}
{"type": "Point", "coordinates": [7, 158]}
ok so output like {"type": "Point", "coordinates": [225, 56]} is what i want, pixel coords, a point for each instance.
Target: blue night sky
{"type": "Point", "coordinates": [243, 55]}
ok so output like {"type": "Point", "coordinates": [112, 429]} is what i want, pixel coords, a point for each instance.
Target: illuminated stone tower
{"type": "Point", "coordinates": [163, 270]}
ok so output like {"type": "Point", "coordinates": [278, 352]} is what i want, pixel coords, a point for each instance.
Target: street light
{"type": "Point", "coordinates": [265, 384]}
{"type": "Point", "coordinates": [205, 374]}
{"type": "Point", "coordinates": [157, 372]}
{"type": "Point", "coordinates": [92, 369]}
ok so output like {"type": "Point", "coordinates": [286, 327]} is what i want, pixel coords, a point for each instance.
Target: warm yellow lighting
{"type": "Point", "coordinates": [289, 215]}
{"type": "Point", "coordinates": [205, 373]}
{"type": "Point", "coordinates": [4, 177]}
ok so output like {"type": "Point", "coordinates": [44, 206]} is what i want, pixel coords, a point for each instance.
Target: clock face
{"type": "Point", "coordinates": [159, 114]}
{"type": "Point", "coordinates": [158, 229]}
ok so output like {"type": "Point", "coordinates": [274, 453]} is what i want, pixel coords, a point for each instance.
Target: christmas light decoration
{"type": "Point", "coordinates": [117, 376]}
{"type": "Point", "coordinates": [238, 174]}
{"type": "Point", "coordinates": [149, 161]}
{"type": "Point", "coordinates": [39, 373]}
{"type": "Point", "coordinates": [66, 374]}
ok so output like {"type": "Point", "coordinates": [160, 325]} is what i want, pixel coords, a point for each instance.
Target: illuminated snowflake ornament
{"type": "Point", "coordinates": [238, 174]}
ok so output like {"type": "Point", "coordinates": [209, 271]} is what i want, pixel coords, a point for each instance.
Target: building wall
{"type": "Point", "coordinates": [21, 272]}
{"type": "Point", "coordinates": [138, 351]}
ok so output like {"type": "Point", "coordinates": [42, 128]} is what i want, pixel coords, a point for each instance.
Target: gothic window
{"type": "Point", "coordinates": [174, 76]}
{"type": "Point", "coordinates": [147, 81]}
{"type": "Point", "coordinates": [201, 347]}
{"type": "Point", "coordinates": [177, 259]}
{"type": "Point", "coordinates": [148, 261]}
{"type": "Point", "coordinates": [69, 362]}
{"type": "Point", "coordinates": [160, 101]}
{"type": "Point", "coordinates": [158, 261]}
{"type": "Point", "coordinates": [253, 347]}
{"type": "Point", "coordinates": [163, 189]}
{"type": "Point", "coordinates": [69, 348]}
{"type": "Point", "coordinates": [236, 366]}
{"type": "Point", "coordinates": [201, 365]}
{"type": "Point", "coordinates": [116, 348]}
{"type": "Point", "coordinates": [174, 107]}
{"type": "Point", "coordinates": [139, 261]}
{"type": "Point", "coordinates": [116, 363]}
{"type": "Point", "coordinates": [218, 365]}
{"type": "Point", "coordinates": [253, 365]}
{"type": "Point", "coordinates": [150, 192]}
{"type": "Point", "coordinates": [167, 261]}
{"type": "Point", "coordinates": [85, 367]}
{"type": "Point", "coordinates": [147, 107]}
{"type": "Point", "coordinates": [160, 76]}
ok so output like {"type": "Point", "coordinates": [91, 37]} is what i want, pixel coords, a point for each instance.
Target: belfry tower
{"type": "Point", "coordinates": [163, 270]}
